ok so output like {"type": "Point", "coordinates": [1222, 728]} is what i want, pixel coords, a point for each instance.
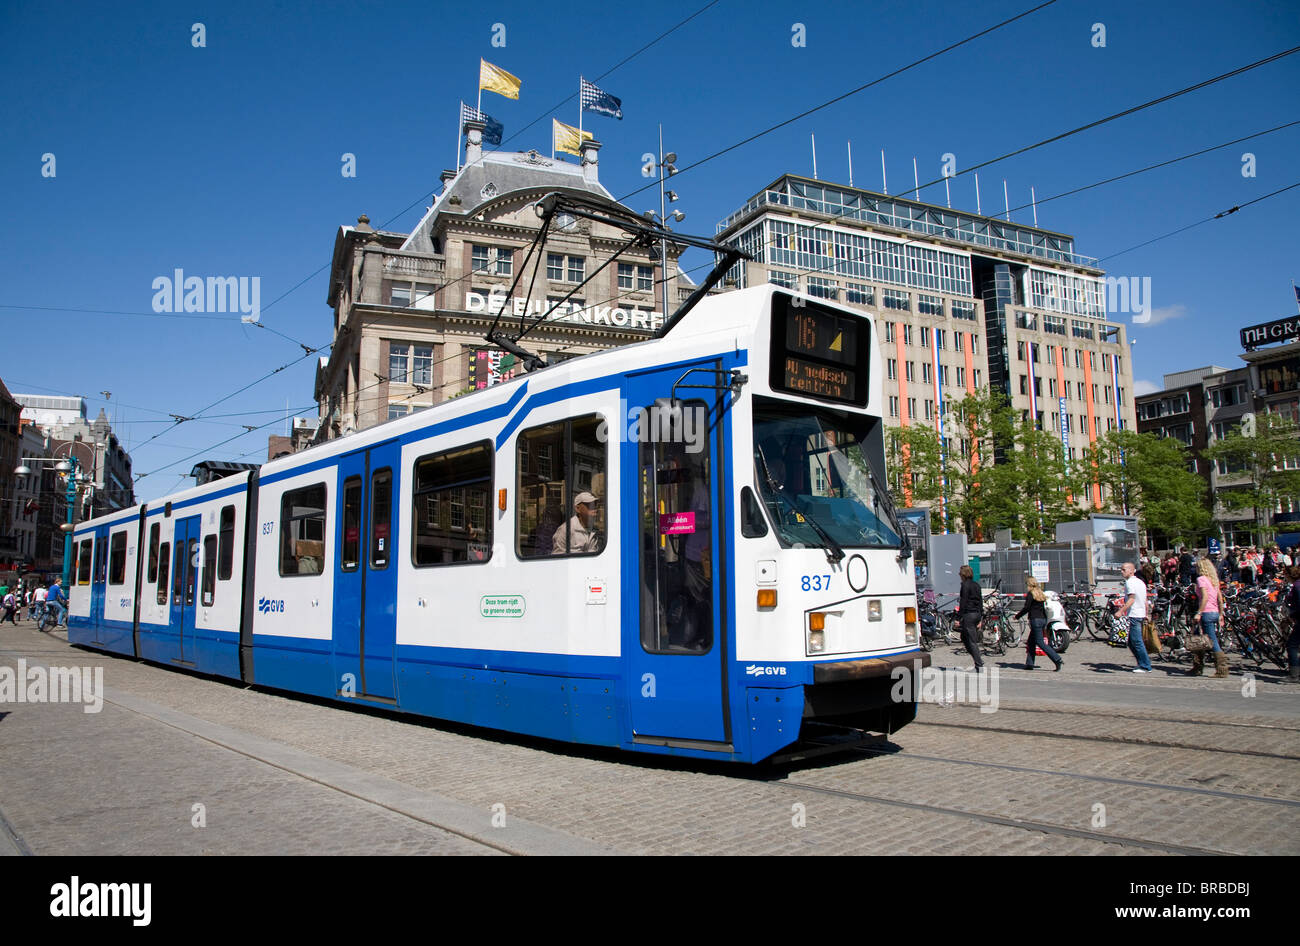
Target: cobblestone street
{"type": "Point", "coordinates": [1092, 760]}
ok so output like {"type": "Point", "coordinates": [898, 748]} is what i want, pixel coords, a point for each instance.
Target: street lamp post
{"type": "Point", "coordinates": [69, 467]}
{"type": "Point", "coordinates": [667, 168]}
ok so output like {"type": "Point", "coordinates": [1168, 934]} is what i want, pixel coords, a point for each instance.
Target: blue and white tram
{"type": "Point", "coordinates": [681, 546]}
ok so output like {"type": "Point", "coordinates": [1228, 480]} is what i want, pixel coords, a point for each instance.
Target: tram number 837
{"type": "Point", "coordinates": [815, 583]}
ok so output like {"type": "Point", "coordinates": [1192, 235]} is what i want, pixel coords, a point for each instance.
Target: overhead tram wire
{"type": "Point", "coordinates": [1218, 216]}
{"type": "Point", "coordinates": [850, 93]}
{"type": "Point", "coordinates": [984, 164]}
{"type": "Point", "coordinates": [310, 351]}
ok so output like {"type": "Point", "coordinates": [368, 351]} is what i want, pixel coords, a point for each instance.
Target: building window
{"type": "Point", "coordinates": [893, 368]}
{"type": "Point", "coordinates": [959, 341]}
{"type": "Point", "coordinates": [925, 336]}
{"type": "Point", "coordinates": [1020, 353]}
{"type": "Point", "coordinates": [893, 406]}
{"type": "Point", "coordinates": [577, 268]}
{"type": "Point", "coordinates": [911, 371]}
{"type": "Point", "coordinates": [398, 410]}
{"type": "Point", "coordinates": [822, 288]}
{"type": "Point", "coordinates": [929, 410]}
{"type": "Point", "coordinates": [925, 372]}
{"type": "Point", "coordinates": [399, 295]}
{"type": "Point", "coordinates": [451, 502]}
{"type": "Point", "coordinates": [410, 364]}
{"type": "Point", "coordinates": [975, 346]}
{"type": "Point", "coordinates": [961, 377]}
{"type": "Point", "coordinates": [943, 375]}
{"type": "Point", "coordinates": [397, 355]}
{"type": "Point", "coordinates": [859, 294]}
{"type": "Point", "coordinates": [302, 531]}
{"type": "Point", "coordinates": [911, 408]}
{"type": "Point", "coordinates": [1024, 384]}
{"type": "Point", "coordinates": [976, 377]}
{"type": "Point", "coordinates": [960, 309]}
{"type": "Point", "coordinates": [893, 299]}
{"type": "Point", "coordinates": [907, 334]}
{"type": "Point", "coordinates": [555, 267]}
{"type": "Point", "coordinates": [940, 338]}
{"type": "Point", "coordinates": [889, 331]}
{"type": "Point", "coordinates": [929, 305]}
{"type": "Point", "coordinates": [783, 279]}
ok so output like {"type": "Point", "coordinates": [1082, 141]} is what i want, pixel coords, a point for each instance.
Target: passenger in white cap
{"type": "Point", "coordinates": [582, 535]}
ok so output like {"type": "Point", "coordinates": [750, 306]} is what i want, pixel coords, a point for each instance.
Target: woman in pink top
{"type": "Point", "coordinates": [1207, 613]}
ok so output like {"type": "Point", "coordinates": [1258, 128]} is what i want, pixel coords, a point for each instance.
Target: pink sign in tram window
{"type": "Point", "coordinates": [676, 523]}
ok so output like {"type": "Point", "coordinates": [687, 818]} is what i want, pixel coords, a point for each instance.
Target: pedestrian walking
{"type": "Point", "coordinates": [10, 602]}
{"type": "Point", "coordinates": [970, 611]}
{"type": "Point", "coordinates": [1293, 642]}
{"type": "Point", "coordinates": [1207, 613]}
{"type": "Point", "coordinates": [1036, 608]}
{"type": "Point", "coordinates": [1135, 609]}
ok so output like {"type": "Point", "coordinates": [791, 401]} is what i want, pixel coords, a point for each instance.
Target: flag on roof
{"type": "Point", "coordinates": [566, 138]}
{"type": "Point", "coordinates": [602, 103]}
{"type": "Point", "coordinates": [495, 79]}
{"type": "Point", "coordinates": [494, 129]}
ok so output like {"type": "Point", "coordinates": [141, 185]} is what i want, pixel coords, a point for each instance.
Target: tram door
{"type": "Point", "coordinates": [365, 581]}
{"type": "Point", "coordinates": [98, 579]}
{"type": "Point", "coordinates": [186, 560]}
{"type": "Point", "coordinates": [677, 644]}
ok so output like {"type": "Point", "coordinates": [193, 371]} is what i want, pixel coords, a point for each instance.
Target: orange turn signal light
{"type": "Point", "coordinates": [909, 615]}
{"type": "Point", "coordinates": [817, 621]}
{"type": "Point", "coordinates": [767, 597]}
{"type": "Point", "coordinates": [501, 500]}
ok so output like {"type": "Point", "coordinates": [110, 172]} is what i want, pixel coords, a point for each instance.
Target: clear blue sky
{"type": "Point", "coordinates": [226, 160]}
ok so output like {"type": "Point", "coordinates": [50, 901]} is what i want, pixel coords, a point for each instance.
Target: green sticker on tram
{"type": "Point", "coordinates": [501, 606]}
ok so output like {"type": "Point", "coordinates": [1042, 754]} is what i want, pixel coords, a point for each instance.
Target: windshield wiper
{"type": "Point", "coordinates": [905, 541]}
{"type": "Point", "coordinates": [834, 551]}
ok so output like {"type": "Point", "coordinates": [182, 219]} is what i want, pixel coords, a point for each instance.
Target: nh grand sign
{"type": "Point", "coordinates": [1283, 330]}
{"type": "Point", "coordinates": [603, 315]}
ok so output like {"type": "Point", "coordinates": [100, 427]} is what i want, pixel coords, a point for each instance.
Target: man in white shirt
{"type": "Point", "coordinates": [1135, 609]}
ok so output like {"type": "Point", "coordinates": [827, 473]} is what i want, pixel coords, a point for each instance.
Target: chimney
{"type": "Point", "coordinates": [590, 163]}
{"type": "Point", "coordinates": [473, 141]}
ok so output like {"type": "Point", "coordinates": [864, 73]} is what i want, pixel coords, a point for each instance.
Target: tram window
{"type": "Point", "coordinates": [83, 562]}
{"type": "Point", "coordinates": [117, 559]}
{"type": "Point", "coordinates": [752, 523]}
{"type": "Point", "coordinates": [302, 531]}
{"type": "Point", "coordinates": [451, 511]}
{"type": "Point", "coordinates": [557, 464]}
{"type": "Point", "coordinates": [351, 556]}
{"type": "Point", "coordinates": [192, 573]}
{"type": "Point", "coordinates": [381, 515]}
{"type": "Point", "coordinates": [209, 570]}
{"type": "Point", "coordinates": [226, 544]}
{"type": "Point", "coordinates": [676, 499]}
{"type": "Point", "coordinates": [178, 574]}
{"type": "Point", "coordinates": [101, 560]}
{"type": "Point", "coordinates": [154, 532]}
{"type": "Point", "coordinates": [164, 562]}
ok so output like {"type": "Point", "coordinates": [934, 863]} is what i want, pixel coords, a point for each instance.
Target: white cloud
{"type": "Point", "coordinates": [1166, 314]}
{"type": "Point", "coordinates": [1144, 387]}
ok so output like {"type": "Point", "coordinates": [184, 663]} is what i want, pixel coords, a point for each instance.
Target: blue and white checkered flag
{"type": "Point", "coordinates": [494, 129]}
{"type": "Point", "coordinates": [602, 103]}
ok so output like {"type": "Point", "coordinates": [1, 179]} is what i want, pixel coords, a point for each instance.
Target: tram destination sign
{"type": "Point", "coordinates": [805, 377]}
{"type": "Point", "coordinates": [1282, 330]}
{"type": "Point", "coordinates": [817, 351]}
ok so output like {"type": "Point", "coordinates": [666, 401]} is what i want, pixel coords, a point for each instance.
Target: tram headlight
{"type": "Point", "coordinates": [909, 636]}
{"type": "Point", "coordinates": [873, 610]}
{"type": "Point", "coordinates": [816, 642]}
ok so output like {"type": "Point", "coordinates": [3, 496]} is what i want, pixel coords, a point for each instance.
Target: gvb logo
{"type": "Point", "coordinates": [268, 605]}
{"type": "Point", "coordinates": [755, 670]}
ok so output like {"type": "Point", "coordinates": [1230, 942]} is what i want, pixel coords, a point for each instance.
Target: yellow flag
{"type": "Point", "coordinates": [566, 137]}
{"type": "Point", "coordinates": [494, 79]}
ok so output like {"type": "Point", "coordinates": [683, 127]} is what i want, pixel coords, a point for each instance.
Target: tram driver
{"type": "Point", "coordinates": [582, 533]}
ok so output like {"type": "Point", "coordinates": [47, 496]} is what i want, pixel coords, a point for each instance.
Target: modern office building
{"type": "Point", "coordinates": [411, 309]}
{"type": "Point", "coordinates": [964, 301]}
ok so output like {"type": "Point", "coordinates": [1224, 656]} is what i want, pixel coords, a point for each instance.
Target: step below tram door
{"type": "Point", "coordinates": [676, 644]}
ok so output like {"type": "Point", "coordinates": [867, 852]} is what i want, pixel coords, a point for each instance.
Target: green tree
{"type": "Point", "coordinates": [980, 495]}
{"type": "Point", "coordinates": [1044, 491]}
{"type": "Point", "coordinates": [1266, 450]}
{"type": "Point", "coordinates": [915, 471]}
{"type": "Point", "coordinates": [1147, 476]}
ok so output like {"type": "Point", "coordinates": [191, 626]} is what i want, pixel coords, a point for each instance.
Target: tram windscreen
{"type": "Point", "coordinates": [818, 352]}
{"type": "Point", "coordinates": [814, 474]}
